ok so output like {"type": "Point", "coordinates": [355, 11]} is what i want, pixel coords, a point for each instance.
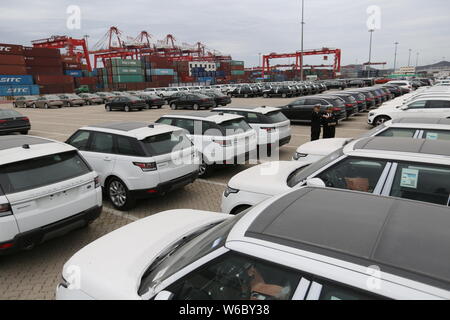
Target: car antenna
{"type": "Point", "coordinates": [26, 146]}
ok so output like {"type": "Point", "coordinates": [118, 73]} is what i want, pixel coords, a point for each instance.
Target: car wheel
{"type": "Point", "coordinates": [245, 95]}
{"type": "Point", "coordinates": [147, 107]}
{"type": "Point", "coordinates": [33, 105]}
{"type": "Point", "coordinates": [239, 209]}
{"type": "Point", "coordinates": [159, 107]}
{"type": "Point", "coordinates": [24, 132]}
{"type": "Point", "coordinates": [229, 94]}
{"type": "Point", "coordinates": [214, 105]}
{"type": "Point", "coordinates": [265, 95]}
{"type": "Point", "coordinates": [380, 120]}
{"type": "Point", "coordinates": [204, 170]}
{"type": "Point", "coordinates": [46, 106]}
{"type": "Point", "coordinates": [173, 106]}
{"type": "Point", "coordinates": [108, 108]}
{"type": "Point", "coordinates": [119, 195]}
{"type": "Point", "coordinates": [14, 105]}
{"type": "Point", "coordinates": [70, 105]}
{"type": "Point", "coordinates": [127, 109]}
{"type": "Point", "coordinates": [284, 95]}
{"type": "Point", "coordinates": [195, 107]}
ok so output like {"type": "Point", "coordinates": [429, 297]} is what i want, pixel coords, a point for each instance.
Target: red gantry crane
{"type": "Point", "coordinates": [336, 66]}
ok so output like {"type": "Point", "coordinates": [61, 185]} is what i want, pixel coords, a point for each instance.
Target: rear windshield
{"type": "Point", "coordinates": [276, 116]}
{"type": "Point", "coordinates": [166, 143]}
{"type": "Point", "coordinates": [43, 171]}
{"type": "Point", "coordinates": [5, 114]}
{"type": "Point", "coordinates": [231, 126]}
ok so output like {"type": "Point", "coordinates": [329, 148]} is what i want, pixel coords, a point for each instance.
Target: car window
{"type": "Point", "coordinates": [80, 140]}
{"type": "Point", "coordinates": [398, 132]}
{"type": "Point", "coordinates": [234, 276]}
{"type": "Point", "coordinates": [299, 102]}
{"type": "Point", "coordinates": [210, 129]}
{"type": "Point", "coordinates": [252, 117]}
{"type": "Point", "coordinates": [430, 134]}
{"type": "Point", "coordinates": [235, 126]}
{"type": "Point", "coordinates": [187, 124]}
{"type": "Point", "coordinates": [333, 291]}
{"type": "Point", "coordinates": [275, 117]}
{"type": "Point", "coordinates": [353, 173]}
{"type": "Point", "coordinates": [38, 172]}
{"type": "Point", "coordinates": [102, 142]}
{"type": "Point", "coordinates": [438, 104]}
{"type": "Point", "coordinates": [428, 183]}
{"type": "Point", "coordinates": [126, 146]}
{"type": "Point", "coordinates": [417, 105]}
{"type": "Point", "coordinates": [166, 143]}
{"type": "Point", "coordinates": [5, 114]}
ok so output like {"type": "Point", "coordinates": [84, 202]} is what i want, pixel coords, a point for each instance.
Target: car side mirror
{"type": "Point", "coordinates": [315, 182]}
{"type": "Point", "coordinates": [404, 107]}
{"type": "Point", "coordinates": [164, 295]}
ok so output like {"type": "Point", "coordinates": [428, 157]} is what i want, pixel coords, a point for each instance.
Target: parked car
{"type": "Point", "coordinates": [403, 84]}
{"type": "Point", "coordinates": [193, 101]}
{"type": "Point", "coordinates": [279, 250]}
{"type": "Point", "coordinates": [272, 127]}
{"type": "Point", "coordinates": [350, 104]}
{"type": "Point", "coordinates": [71, 100]}
{"type": "Point", "coordinates": [334, 84]}
{"type": "Point", "coordinates": [395, 90]}
{"type": "Point", "coordinates": [13, 121]}
{"type": "Point", "coordinates": [428, 107]}
{"type": "Point", "coordinates": [415, 169]}
{"type": "Point", "coordinates": [220, 99]}
{"type": "Point", "coordinates": [241, 91]}
{"type": "Point", "coordinates": [47, 102]}
{"type": "Point", "coordinates": [152, 100]}
{"type": "Point", "coordinates": [417, 128]}
{"type": "Point", "coordinates": [220, 138]}
{"type": "Point", "coordinates": [106, 96]}
{"type": "Point", "coordinates": [46, 189]}
{"type": "Point", "coordinates": [356, 84]}
{"type": "Point", "coordinates": [91, 98]}
{"type": "Point", "coordinates": [301, 109]}
{"type": "Point", "coordinates": [360, 99]}
{"type": "Point", "coordinates": [24, 101]}
{"type": "Point", "coordinates": [125, 103]}
{"type": "Point", "coordinates": [135, 160]}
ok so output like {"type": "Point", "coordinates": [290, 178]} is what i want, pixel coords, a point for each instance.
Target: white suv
{"type": "Point", "coordinates": [270, 124]}
{"type": "Point", "coordinates": [415, 169]}
{"type": "Point", "coordinates": [46, 189]}
{"type": "Point", "coordinates": [220, 138]}
{"type": "Point", "coordinates": [137, 160]}
{"type": "Point", "coordinates": [429, 107]}
{"type": "Point", "coordinates": [309, 244]}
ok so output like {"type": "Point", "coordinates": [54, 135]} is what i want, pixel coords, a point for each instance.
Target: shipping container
{"type": "Point", "coordinates": [43, 79]}
{"type": "Point", "coordinates": [71, 66]}
{"type": "Point", "coordinates": [15, 80]}
{"type": "Point", "coordinates": [42, 62]}
{"type": "Point", "coordinates": [13, 69]}
{"type": "Point", "coordinates": [34, 70]}
{"type": "Point", "coordinates": [19, 90]}
{"type": "Point", "coordinates": [126, 63]}
{"type": "Point", "coordinates": [162, 72]}
{"type": "Point", "coordinates": [120, 78]}
{"type": "Point", "coordinates": [127, 70]}
{"type": "Point", "coordinates": [41, 52]}
{"type": "Point", "coordinates": [11, 49]}
{"type": "Point", "coordinates": [73, 73]}
{"type": "Point", "coordinates": [56, 88]}
{"type": "Point", "coordinates": [236, 63]}
{"type": "Point", "coordinates": [237, 72]}
{"type": "Point", "coordinates": [69, 59]}
{"type": "Point", "coordinates": [9, 59]}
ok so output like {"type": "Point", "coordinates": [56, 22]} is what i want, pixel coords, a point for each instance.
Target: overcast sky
{"type": "Point", "coordinates": [244, 28]}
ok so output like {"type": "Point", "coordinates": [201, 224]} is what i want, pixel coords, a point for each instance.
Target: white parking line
{"type": "Point", "coordinates": [120, 214]}
{"type": "Point", "coordinates": [213, 182]}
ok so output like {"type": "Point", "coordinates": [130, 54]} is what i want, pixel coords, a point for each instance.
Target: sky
{"type": "Point", "coordinates": [245, 28]}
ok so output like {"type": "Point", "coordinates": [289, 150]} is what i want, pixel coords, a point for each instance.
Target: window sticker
{"type": "Point", "coordinates": [432, 135]}
{"type": "Point", "coordinates": [409, 178]}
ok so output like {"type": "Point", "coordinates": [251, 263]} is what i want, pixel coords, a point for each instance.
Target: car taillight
{"type": "Point", "coordinates": [25, 119]}
{"type": "Point", "coordinates": [223, 143]}
{"type": "Point", "coordinates": [6, 245]}
{"type": "Point", "coordinates": [268, 129]}
{"type": "Point", "coordinates": [146, 166]}
{"type": "Point", "coordinates": [5, 209]}
{"type": "Point", "coordinates": [3, 121]}
{"type": "Point", "coordinates": [337, 109]}
{"type": "Point", "coordinates": [97, 182]}
{"type": "Point", "coordinates": [349, 105]}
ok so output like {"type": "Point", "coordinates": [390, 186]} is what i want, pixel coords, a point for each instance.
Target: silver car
{"type": "Point", "coordinates": [24, 101]}
{"type": "Point", "coordinates": [90, 98]}
{"type": "Point", "coordinates": [48, 101]}
{"type": "Point", "coordinates": [71, 100]}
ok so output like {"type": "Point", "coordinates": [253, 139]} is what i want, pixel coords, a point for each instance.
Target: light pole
{"type": "Point", "coordinates": [409, 58]}
{"type": "Point", "coordinates": [259, 59]}
{"type": "Point", "coordinates": [395, 55]}
{"type": "Point", "coordinates": [370, 52]}
{"type": "Point", "coordinates": [301, 56]}
{"type": "Point", "coordinates": [417, 59]}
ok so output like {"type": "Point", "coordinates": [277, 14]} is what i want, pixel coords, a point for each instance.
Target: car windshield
{"type": "Point", "coordinates": [303, 173]}
{"type": "Point", "coordinates": [234, 126]}
{"type": "Point", "coordinates": [373, 132]}
{"type": "Point", "coordinates": [166, 143]}
{"type": "Point", "coordinates": [187, 250]}
{"type": "Point", "coordinates": [38, 172]}
{"type": "Point", "coordinates": [5, 114]}
{"type": "Point", "coordinates": [276, 116]}
{"type": "Point", "coordinates": [52, 98]}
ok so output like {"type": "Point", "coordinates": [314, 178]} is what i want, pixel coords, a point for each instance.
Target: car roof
{"type": "Point", "coordinates": [138, 130]}
{"type": "Point", "coordinates": [402, 145]}
{"type": "Point", "coordinates": [12, 148]}
{"type": "Point", "coordinates": [205, 115]}
{"type": "Point", "coordinates": [422, 121]}
{"type": "Point", "coordinates": [262, 109]}
{"type": "Point", "coordinates": [406, 238]}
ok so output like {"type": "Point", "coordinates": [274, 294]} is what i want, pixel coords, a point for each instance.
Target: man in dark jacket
{"type": "Point", "coordinates": [329, 124]}
{"type": "Point", "coordinates": [316, 122]}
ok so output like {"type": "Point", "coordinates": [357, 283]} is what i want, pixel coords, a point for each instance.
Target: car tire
{"type": "Point", "coordinates": [159, 107]}
{"type": "Point", "coordinates": [33, 105]}
{"type": "Point", "coordinates": [173, 106]}
{"type": "Point", "coordinates": [14, 105]}
{"type": "Point", "coordinates": [147, 107]}
{"type": "Point", "coordinates": [265, 95]}
{"type": "Point", "coordinates": [119, 195]}
{"type": "Point", "coordinates": [127, 109]}
{"type": "Point", "coordinates": [196, 107]}
{"type": "Point", "coordinates": [108, 108]}
{"type": "Point", "coordinates": [204, 170]}
{"type": "Point", "coordinates": [245, 95]}
{"type": "Point", "coordinates": [283, 95]}
{"type": "Point", "coordinates": [380, 120]}
{"type": "Point", "coordinates": [214, 105]}
{"type": "Point", "coordinates": [24, 132]}
{"type": "Point", "coordinates": [239, 209]}
{"type": "Point", "coordinates": [46, 106]}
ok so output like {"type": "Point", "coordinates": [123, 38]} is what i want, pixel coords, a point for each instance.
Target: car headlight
{"type": "Point", "coordinates": [299, 155]}
{"type": "Point", "coordinates": [229, 191]}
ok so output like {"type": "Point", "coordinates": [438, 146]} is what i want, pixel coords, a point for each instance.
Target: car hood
{"type": "Point", "coordinates": [112, 266]}
{"type": "Point", "coordinates": [268, 178]}
{"type": "Point", "coordinates": [323, 147]}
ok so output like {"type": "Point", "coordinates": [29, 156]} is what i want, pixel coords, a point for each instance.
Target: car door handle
{"type": "Point", "coordinates": [107, 158]}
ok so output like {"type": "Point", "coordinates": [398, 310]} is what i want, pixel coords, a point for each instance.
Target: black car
{"type": "Point", "coordinates": [191, 100]}
{"type": "Point", "coordinates": [301, 109]}
{"type": "Point", "coordinates": [370, 98]}
{"type": "Point", "coordinates": [220, 99]}
{"type": "Point", "coordinates": [395, 90]}
{"type": "Point", "coordinates": [152, 100]}
{"type": "Point", "coordinates": [356, 84]}
{"type": "Point", "coordinates": [125, 103]}
{"type": "Point", "coordinates": [241, 91]}
{"type": "Point", "coordinates": [278, 91]}
{"type": "Point", "coordinates": [13, 121]}
{"type": "Point", "coordinates": [351, 106]}
{"type": "Point", "coordinates": [335, 84]}
{"type": "Point", "coordinates": [360, 100]}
